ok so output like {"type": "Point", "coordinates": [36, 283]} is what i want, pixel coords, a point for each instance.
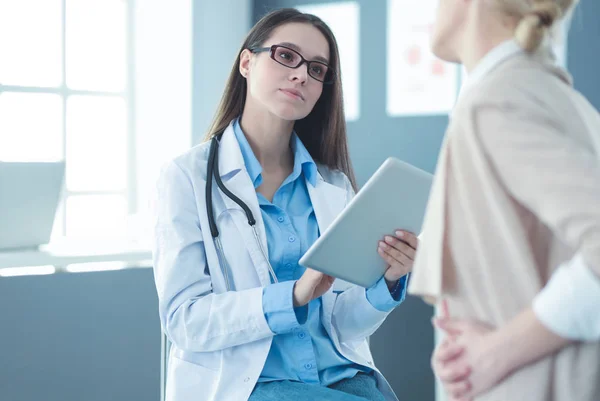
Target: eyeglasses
{"type": "Point", "coordinates": [292, 59]}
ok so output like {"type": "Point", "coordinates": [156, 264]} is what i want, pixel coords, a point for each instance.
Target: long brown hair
{"type": "Point", "coordinates": [323, 131]}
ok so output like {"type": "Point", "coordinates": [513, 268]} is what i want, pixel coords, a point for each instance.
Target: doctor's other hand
{"type": "Point", "coordinates": [311, 285]}
{"type": "Point", "coordinates": [399, 252]}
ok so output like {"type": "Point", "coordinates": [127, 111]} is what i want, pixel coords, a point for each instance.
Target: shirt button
{"type": "Point", "coordinates": [280, 219]}
{"type": "Point", "coordinates": [289, 265]}
{"type": "Point", "coordinates": [246, 380]}
{"type": "Point", "coordinates": [301, 335]}
{"type": "Point", "coordinates": [292, 239]}
{"type": "Point", "coordinates": [308, 366]}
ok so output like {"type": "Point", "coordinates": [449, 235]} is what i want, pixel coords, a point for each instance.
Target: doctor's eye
{"type": "Point", "coordinates": [287, 57]}
{"type": "Point", "coordinates": [318, 70]}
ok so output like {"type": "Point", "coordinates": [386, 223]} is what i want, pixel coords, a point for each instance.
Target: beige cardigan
{"type": "Point", "coordinates": [516, 193]}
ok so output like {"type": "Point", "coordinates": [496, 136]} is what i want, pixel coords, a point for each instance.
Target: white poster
{"type": "Point", "coordinates": [343, 20]}
{"type": "Point", "coordinates": [560, 36]}
{"type": "Point", "coordinates": [418, 82]}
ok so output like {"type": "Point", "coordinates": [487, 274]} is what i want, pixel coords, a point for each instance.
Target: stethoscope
{"type": "Point", "coordinates": [213, 171]}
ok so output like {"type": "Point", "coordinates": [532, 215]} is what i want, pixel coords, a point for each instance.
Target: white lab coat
{"type": "Point", "coordinates": [220, 339]}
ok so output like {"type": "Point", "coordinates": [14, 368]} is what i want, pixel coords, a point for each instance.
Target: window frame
{"type": "Point", "coordinates": [128, 96]}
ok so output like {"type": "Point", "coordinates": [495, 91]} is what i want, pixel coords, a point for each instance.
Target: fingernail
{"type": "Point", "coordinates": [383, 245]}
{"type": "Point", "coordinates": [400, 233]}
{"type": "Point", "coordinates": [389, 239]}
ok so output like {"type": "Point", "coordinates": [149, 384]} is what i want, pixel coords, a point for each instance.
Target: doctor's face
{"type": "Point", "coordinates": [449, 21]}
{"type": "Point", "coordinates": [289, 93]}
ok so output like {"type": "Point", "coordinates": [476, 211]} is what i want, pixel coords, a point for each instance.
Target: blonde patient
{"type": "Point", "coordinates": [511, 246]}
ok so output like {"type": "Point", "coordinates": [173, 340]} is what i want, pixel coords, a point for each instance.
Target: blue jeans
{"type": "Point", "coordinates": [362, 387]}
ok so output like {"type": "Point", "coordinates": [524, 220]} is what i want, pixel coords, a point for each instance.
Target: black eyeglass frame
{"type": "Point", "coordinates": [273, 48]}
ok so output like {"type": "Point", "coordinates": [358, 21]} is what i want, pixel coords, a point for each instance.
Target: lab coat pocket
{"type": "Point", "coordinates": [186, 378]}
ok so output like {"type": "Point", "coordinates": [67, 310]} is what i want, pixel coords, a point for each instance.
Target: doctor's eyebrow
{"type": "Point", "coordinates": [297, 48]}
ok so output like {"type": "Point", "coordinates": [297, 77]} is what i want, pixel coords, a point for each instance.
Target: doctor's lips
{"type": "Point", "coordinates": [293, 92]}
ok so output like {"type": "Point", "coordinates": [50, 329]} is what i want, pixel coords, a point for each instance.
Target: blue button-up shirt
{"type": "Point", "coordinates": [301, 349]}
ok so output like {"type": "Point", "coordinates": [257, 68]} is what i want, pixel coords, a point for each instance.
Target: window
{"type": "Point", "coordinates": [343, 19]}
{"type": "Point", "coordinates": [560, 37]}
{"type": "Point", "coordinates": [418, 82]}
{"type": "Point", "coordinates": [66, 94]}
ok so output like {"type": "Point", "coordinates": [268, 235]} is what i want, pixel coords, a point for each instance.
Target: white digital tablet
{"type": "Point", "coordinates": [395, 197]}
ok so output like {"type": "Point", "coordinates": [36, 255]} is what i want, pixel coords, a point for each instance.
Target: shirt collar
{"type": "Point", "coordinates": [303, 161]}
{"type": "Point", "coordinates": [491, 60]}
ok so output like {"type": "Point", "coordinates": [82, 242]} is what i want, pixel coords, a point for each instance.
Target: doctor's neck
{"type": "Point", "coordinates": [269, 137]}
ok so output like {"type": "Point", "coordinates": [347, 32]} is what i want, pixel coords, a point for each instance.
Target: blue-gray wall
{"type": "Point", "coordinates": [583, 58]}
{"type": "Point", "coordinates": [95, 336]}
{"type": "Point", "coordinates": [80, 337]}
{"type": "Point", "coordinates": [218, 35]}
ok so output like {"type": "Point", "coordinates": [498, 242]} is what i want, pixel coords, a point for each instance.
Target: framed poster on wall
{"type": "Point", "coordinates": [418, 83]}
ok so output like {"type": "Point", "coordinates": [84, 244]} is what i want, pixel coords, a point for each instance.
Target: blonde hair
{"type": "Point", "coordinates": [537, 19]}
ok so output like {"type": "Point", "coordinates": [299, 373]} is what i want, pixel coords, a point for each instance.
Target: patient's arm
{"type": "Point", "coordinates": [475, 357]}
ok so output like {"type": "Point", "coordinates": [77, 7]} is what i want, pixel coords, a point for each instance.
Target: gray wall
{"type": "Point", "coordinates": [80, 337]}
{"type": "Point", "coordinates": [95, 336]}
{"type": "Point", "coordinates": [218, 35]}
{"type": "Point", "coordinates": [583, 58]}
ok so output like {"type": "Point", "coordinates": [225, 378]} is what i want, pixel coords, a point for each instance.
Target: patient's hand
{"type": "Point", "coordinates": [399, 253]}
{"type": "Point", "coordinates": [469, 361]}
{"type": "Point", "coordinates": [452, 371]}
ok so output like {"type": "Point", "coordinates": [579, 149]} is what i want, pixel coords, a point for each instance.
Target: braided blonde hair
{"type": "Point", "coordinates": [537, 19]}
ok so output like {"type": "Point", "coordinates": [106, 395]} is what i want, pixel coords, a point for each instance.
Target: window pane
{"type": "Point", "coordinates": [560, 38]}
{"type": "Point", "coordinates": [30, 42]}
{"type": "Point", "coordinates": [96, 216]}
{"type": "Point", "coordinates": [30, 127]}
{"type": "Point", "coordinates": [96, 44]}
{"type": "Point", "coordinates": [27, 271]}
{"type": "Point", "coordinates": [153, 115]}
{"type": "Point", "coordinates": [96, 143]}
{"type": "Point", "coordinates": [418, 82]}
{"type": "Point", "coordinates": [58, 229]}
{"type": "Point", "coordinates": [95, 267]}
{"type": "Point", "coordinates": [343, 19]}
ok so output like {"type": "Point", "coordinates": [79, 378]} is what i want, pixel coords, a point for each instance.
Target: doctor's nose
{"type": "Point", "coordinates": [300, 74]}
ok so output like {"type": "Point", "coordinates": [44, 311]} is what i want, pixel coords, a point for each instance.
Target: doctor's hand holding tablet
{"type": "Point", "coordinates": [387, 211]}
{"type": "Point", "coordinates": [398, 251]}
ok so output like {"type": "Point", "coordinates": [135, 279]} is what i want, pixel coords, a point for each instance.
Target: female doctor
{"type": "Point", "coordinates": [236, 213]}
{"type": "Point", "coordinates": [513, 227]}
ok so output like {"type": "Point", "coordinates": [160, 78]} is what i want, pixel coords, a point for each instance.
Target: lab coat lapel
{"type": "Point", "coordinates": [236, 179]}
{"type": "Point", "coordinates": [327, 200]}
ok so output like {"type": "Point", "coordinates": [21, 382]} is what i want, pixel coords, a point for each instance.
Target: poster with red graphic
{"type": "Point", "coordinates": [418, 83]}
